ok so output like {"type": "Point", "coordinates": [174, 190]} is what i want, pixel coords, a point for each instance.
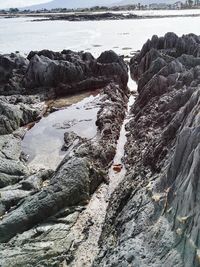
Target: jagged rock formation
{"type": "Point", "coordinates": [38, 209]}
{"type": "Point", "coordinates": [91, 17]}
{"type": "Point", "coordinates": [45, 75]}
{"type": "Point", "coordinates": [153, 217]}
{"type": "Point", "coordinates": [71, 72]}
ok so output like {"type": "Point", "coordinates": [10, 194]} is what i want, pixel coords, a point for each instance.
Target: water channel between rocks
{"type": "Point", "coordinates": [43, 144]}
{"type": "Point", "coordinates": [93, 216]}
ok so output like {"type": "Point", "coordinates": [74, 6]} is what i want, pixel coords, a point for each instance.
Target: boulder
{"type": "Point", "coordinates": [14, 116]}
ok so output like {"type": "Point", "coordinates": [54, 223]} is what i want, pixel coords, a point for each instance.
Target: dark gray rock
{"type": "Point", "coordinates": [74, 71]}
{"type": "Point", "coordinates": [153, 216]}
{"type": "Point", "coordinates": [12, 170]}
{"type": "Point", "coordinates": [35, 182]}
{"type": "Point", "coordinates": [43, 71]}
{"type": "Point", "coordinates": [69, 186]}
{"type": "Point", "coordinates": [39, 209]}
{"type": "Point", "coordinates": [69, 139]}
{"type": "Point", "coordinates": [9, 63]}
{"type": "Point", "coordinates": [14, 116]}
{"type": "Point", "coordinates": [12, 70]}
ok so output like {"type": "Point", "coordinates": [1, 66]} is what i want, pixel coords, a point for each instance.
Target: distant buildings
{"type": "Point", "coordinates": [186, 4]}
{"type": "Point", "coordinates": [177, 5]}
{"type": "Point", "coordinates": [158, 6]}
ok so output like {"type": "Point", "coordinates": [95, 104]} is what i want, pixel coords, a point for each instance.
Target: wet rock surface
{"type": "Point", "coordinates": [153, 216]}
{"type": "Point", "coordinates": [38, 208]}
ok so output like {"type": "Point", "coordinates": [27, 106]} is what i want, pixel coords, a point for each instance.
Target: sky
{"type": "Point", "coordinates": [20, 3]}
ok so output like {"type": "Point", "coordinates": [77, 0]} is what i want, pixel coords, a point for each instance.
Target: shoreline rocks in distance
{"type": "Point", "coordinates": [78, 17]}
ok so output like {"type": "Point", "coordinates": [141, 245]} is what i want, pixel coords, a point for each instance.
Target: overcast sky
{"type": "Point", "coordinates": [20, 3]}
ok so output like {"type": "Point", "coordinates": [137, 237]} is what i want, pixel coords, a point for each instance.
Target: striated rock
{"type": "Point", "coordinates": [153, 216]}
{"type": "Point", "coordinates": [8, 64]}
{"type": "Point", "coordinates": [12, 169]}
{"type": "Point", "coordinates": [36, 181]}
{"type": "Point", "coordinates": [43, 71]}
{"type": "Point", "coordinates": [12, 70]}
{"type": "Point", "coordinates": [14, 116]}
{"type": "Point", "coordinates": [70, 72]}
{"type": "Point", "coordinates": [38, 209]}
{"type": "Point", "coordinates": [69, 186]}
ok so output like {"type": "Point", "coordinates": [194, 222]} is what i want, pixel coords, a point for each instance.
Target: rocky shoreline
{"type": "Point", "coordinates": [152, 218]}
{"type": "Point", "coordinates": [107, 16]}
{"type": "Point", "coordinates": [27, 198]}
{"type": "Point", "coordinates": [89, 17]}
{"type": "Point", "coordinates": [94, 16]}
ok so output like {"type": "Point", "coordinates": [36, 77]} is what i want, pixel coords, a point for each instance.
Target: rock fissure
{"type": "Point", "coordinates": [147, 212]}
{"type": "Point", "coordinates": [164, 151]}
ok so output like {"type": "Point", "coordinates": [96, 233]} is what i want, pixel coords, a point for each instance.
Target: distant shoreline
{"type": "Point", "coordinates": [92, 16]}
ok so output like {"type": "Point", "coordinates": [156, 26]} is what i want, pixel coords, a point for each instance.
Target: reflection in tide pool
{"type": "Point", "coordinates": [44, 141]}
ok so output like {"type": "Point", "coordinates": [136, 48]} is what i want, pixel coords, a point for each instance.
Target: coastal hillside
{"type": "Point", "coordinates": [72, 4]}
{"type": "Point", "coordinates": [90, 3]}
{"type": "Point", "coordinates": [144, 2]}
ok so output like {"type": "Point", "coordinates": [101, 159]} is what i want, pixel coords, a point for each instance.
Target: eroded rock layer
{"type": "Point", "coordinates": [153, 216]}
{"type": "Point", "coordinates": [38, 209]}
